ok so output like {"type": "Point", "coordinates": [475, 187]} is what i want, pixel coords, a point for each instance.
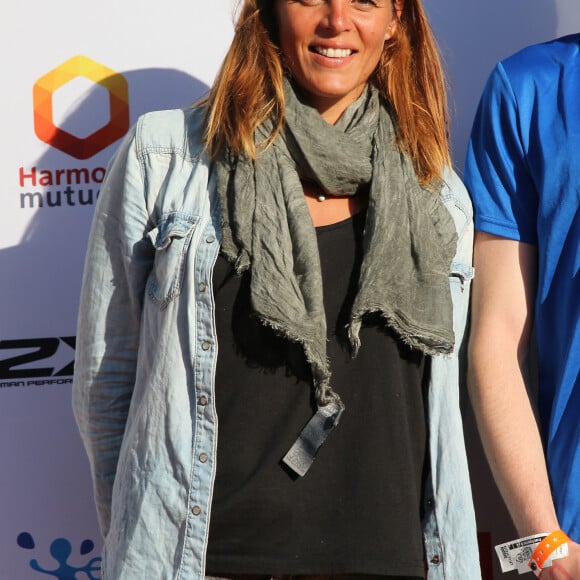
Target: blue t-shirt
{"type": "Point", "coordinates": [523, 172]}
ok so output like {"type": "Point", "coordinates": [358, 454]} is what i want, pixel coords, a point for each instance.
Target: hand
{"type": "Point", "coordinates": [565, 568]}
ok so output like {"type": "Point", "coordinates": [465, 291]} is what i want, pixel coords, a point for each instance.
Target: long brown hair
{"type": "Point", "coordinates": [248, 88]}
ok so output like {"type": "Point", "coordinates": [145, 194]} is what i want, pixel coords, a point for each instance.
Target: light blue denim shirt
{"type": "Point", "coordinates": [143, 391]}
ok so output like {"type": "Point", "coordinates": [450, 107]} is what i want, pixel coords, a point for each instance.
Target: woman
{"type": "Point", "coordinates": [303, 219]}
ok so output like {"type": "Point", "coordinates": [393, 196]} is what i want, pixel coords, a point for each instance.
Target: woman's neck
{"type": "Point", "coordinates": [330, 209]}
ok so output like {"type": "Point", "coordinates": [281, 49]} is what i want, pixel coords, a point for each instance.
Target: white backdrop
{"type": "Point", "coordinates": [147, 55]}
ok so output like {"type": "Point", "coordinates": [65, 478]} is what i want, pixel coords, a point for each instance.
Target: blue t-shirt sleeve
{"type": "Point", "coordinates": [496, 171]}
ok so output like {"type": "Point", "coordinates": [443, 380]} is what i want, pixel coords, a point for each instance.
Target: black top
{"type": "Point", "coordinates": [357, 510]}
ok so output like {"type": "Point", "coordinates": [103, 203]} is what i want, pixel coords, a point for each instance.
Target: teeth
{"type": "Point", "coordinates": [333, 52]}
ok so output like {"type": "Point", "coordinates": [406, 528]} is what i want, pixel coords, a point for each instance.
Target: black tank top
{"type": "Point", "coordinates": [357, 511]}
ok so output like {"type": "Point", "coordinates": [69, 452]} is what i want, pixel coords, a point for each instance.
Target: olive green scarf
{"type": "Point", "coordinates": [409, 238]}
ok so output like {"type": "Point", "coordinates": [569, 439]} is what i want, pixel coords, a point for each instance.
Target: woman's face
{"type": "Point", "coordinates": [333, 46]}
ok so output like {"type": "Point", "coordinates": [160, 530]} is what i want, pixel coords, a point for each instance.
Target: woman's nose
{"type": "Point", "coordinates": [336, 18]}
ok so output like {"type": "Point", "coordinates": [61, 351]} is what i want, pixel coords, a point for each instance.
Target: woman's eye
{"type": "Point", "coordinates": [366, 2]}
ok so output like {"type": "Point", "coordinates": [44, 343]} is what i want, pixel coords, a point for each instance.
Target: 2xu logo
{"type": "Point", "coordinates": [37, 350]}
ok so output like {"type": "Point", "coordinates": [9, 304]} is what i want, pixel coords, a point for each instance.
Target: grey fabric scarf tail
{"type": "Point", "coordinates": [409, 239]}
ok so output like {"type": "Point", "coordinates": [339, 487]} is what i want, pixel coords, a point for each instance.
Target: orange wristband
{"type": "Point", "coordinates": [546, 548]}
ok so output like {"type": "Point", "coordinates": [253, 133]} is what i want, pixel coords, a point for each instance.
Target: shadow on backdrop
{"type": "Point", "coordinates": [42, 274]}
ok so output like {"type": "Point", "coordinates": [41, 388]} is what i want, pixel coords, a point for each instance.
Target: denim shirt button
{"type": "Point", "coordinates": [430, 502]}
{"type": "Point", "coordinates": [210, 239]}
{"type": "Point", "coordinates": [203, 457]}
{"type": "Point", "coordinates": [202, 400]}
{"type": "Point", "coordinates": [436, 559]}
{"type": "Point", "coordinates": [202, 287]}
{"type": "Point", "coordinates": [195, 510]}
{"type": "Point", "coordinates": [206, 345]}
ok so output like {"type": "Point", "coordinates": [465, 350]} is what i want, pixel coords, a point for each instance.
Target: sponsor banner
{"type": "Point", "coordinates": [75, 78]}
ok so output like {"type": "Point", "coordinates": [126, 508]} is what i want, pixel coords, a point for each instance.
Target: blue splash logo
{"type": "Point", "coordinates": [60, 550]}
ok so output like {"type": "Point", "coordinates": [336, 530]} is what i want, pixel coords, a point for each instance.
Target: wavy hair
{"type": "Point", "coordinates": [248, 88]}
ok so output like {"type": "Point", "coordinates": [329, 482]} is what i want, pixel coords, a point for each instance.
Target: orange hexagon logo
{"type": "Point", "coordinates": [113, 82]}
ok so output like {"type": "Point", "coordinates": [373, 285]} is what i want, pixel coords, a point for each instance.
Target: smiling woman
{"type": "Point", "coordinates": [305, 215]}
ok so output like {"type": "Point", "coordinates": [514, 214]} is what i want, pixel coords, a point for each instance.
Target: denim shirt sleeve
{"type": "Point", "coordinates": [449, 523]}
{"type": "Point", "coordinates": [117, 264]}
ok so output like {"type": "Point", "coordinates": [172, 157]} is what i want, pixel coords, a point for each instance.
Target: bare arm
{"type": "Point", "coordinates": [502, 315]}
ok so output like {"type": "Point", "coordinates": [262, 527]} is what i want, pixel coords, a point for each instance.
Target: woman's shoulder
{"type": "Point", "coordinates": [171, 131]}
{"type": "Point", "coordinates": [454, 193]}
{"type": "Point", "coordinates": [458, 202]}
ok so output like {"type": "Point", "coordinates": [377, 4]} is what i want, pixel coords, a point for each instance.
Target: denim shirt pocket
{"type": "Point", "coordinates": [170, 238]}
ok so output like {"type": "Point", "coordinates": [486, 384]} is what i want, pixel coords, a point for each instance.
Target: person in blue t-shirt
{"type": "Point", "coordinates": [523, 172]}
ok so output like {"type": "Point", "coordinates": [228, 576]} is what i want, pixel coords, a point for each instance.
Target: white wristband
{"type": "Point", "coordinates": [516, 555]}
